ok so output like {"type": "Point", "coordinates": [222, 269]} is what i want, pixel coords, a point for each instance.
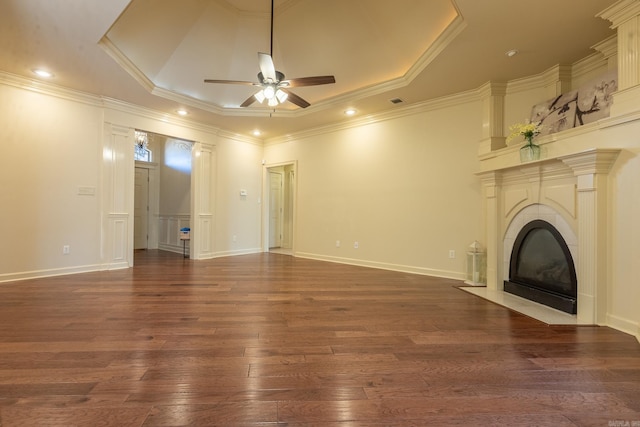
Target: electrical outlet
{"type": "Point", "coordinates": [452, 253]}
{"type": "Point", "coordinates": [66, 250]}
{"type": "Point", "coordinates": [235, 238]}
{"type": "Point", "coordinates": [356, 245]}
{"type": "Point", "coordinates": [337, 243]}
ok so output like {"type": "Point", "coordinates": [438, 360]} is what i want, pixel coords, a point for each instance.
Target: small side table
{"type": "Point", "coordinates": [185, 235]}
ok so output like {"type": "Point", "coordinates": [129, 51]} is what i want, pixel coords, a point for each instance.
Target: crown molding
{"type": "Point", "coordinates": [49, 89]}
{"type": "Point", "coordinates": [125, 63]}
{"type": "Point", "coordinates": [620, 12]}
{"type": "Point", "coordinates": [557, 72]}
{"type": "Point", "coordinates": [240, 138]}
{"type": "Point", "coordinates": [453, 29]}
{"type": "Point", "coordinates": [442, 41]}
{"type": "Point", "coordinates": [418, 108]}
{"type": "Point", "coordinates": [159, 116]}
{"type": "Point", "coordinates": [607, 47]}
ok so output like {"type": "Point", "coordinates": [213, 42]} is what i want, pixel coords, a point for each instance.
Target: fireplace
{"type": "Point", "coordinates": [569, 191]}
{"type": "Point", "coordinates": [541, 267]}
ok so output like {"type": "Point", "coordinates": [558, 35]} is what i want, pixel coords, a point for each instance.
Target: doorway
{"type": "Point", "coordinates": [145, 205]}
{"type": "Point", "coordinates": [141, 209]}
{"type": "Point", "coordinates": [280, 208]}
{"type": "Point", "coordinates": [276, 208]}
{"type": "Point", "coordinates": [162, 194]}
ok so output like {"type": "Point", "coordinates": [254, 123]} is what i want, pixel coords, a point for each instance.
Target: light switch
{"type": "Point", "coordinates": [86, 191]}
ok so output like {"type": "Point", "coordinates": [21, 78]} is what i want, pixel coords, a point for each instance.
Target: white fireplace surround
{"type": "Point", "coordinates": [570, 192]}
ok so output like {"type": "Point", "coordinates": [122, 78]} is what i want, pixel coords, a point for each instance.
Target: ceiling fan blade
{"type": "Point", "coordinates": [310, 81]}
{"type": "Point", "coordinates": [250, 100]}
{"type": "Point", "coordinates": [295, 99]}
{"type": "Point", "coordinates": [266, 67]}
{"type": "Point", "coordinates": [231, 82]}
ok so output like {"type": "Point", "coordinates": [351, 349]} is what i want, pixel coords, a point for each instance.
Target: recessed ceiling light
{"type": "Point", "coordinates": [42, 73]}
{"type": "Point", "coordinates": [182, 112]}
{"type": "Point", "coordinates": [350, 112]}
{"type": "Point", "coordinates": [256, 133]}
{"type": "Point", "coordinates": [512, 52]}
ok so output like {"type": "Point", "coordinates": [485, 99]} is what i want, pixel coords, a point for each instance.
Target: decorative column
{"type": "Point", "coordinates": [557, 80]}
{"type": "Point", "coordinates": [117, 196]}
{"type": "Point", "coordinates": [202, 203]}
{"type": "Point", "coordinates": [625, 18]}
{"type": "Point", "coordinates": [591, 169]}
{"type": "Point", "coordinates": [491, 191]}
{"type": "Point", "coordinates": [492, 117]}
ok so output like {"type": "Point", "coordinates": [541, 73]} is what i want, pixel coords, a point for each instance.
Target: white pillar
{"type": "Point", "coordinates": [625, 18]}
{"type": "Point", "coordinates": [591, 169]}
{"type": "Point", "coordinates": [492, 117]}
{"type": "Point", "coordinates": [493, 237]}
{"type": "Point", "coordinates": [202, 203]}
{"type": "Point", "coordinates": [117, 196]}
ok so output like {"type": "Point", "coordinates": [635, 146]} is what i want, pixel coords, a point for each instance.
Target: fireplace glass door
{"type": "Point", "coordinates": [542, 268]}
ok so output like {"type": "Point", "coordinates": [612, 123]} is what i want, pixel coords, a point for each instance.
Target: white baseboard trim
{"type": "Point", "coordinates": [445, 274]}
{"type": "Point", "coordinates": [624, 325]}
{"type": "Point", "coordinates": [172, 248]}
{"type": "Point", "coordinates": [37, 274]}
{"type": "Point", "coordinates": [236, 252]}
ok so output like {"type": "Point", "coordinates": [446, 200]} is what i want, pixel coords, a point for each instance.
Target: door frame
{"type": "Point", "coordinates": [117, 170]}
{"type": "Point", "coordinates": [291, 195]}
{"type": "Point", "coordinates": [279, 224]}
{"type": "Point", "coordinates": [154, 202]}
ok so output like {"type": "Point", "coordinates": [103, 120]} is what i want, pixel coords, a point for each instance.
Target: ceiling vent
{"type": "Point", "coordinates": [396, 101]}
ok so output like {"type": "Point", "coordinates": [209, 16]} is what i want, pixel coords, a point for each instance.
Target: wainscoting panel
{"type": "Point", "coordinates": [169, 235]}
{"type": "Point", "coordinates": [117, 199]}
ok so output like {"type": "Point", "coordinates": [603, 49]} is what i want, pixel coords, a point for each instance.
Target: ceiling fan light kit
{"type": "Point", "coordinates": [281, 95]}
{"type": "Point", "coordinates": [272, 82]}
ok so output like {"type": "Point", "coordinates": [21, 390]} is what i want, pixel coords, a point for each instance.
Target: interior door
{"type": "Point", "coordinates": [141, 209]}
{"type": "Point", "coordinates": [275, 209]}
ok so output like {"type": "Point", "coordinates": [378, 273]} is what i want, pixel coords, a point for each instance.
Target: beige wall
{"type": "Point", "coordinates": [48, 149]}
{"type": "Point", "coordinates": [52, 147]}
{"type": "Point", "coordinates": [239, 168]}
{"type": "Point", "coordinates": [403, 188]}
{"type": "Point", "coordinates": [624, 235]}
{"type": "Point", "coordinates": [175, 182]}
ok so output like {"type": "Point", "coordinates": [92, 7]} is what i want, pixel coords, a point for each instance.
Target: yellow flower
{"type": "Point", "coordinates": [528, 130]}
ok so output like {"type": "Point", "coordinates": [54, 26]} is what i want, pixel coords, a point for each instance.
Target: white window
{"type": "Point", "coordinates": [141, 147]}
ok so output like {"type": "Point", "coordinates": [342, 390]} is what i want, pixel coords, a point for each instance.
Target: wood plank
{"type": "Point", "coordinates": [268, 339]}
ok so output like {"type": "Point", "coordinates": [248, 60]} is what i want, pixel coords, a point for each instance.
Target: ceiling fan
{"type": "Point", "coordinates": [274, 87]}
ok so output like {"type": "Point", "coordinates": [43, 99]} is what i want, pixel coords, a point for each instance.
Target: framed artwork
{"type": "Point", "coordinates": [587, 104]}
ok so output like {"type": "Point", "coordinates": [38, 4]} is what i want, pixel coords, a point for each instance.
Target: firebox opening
{"type": "Point", "coordinates": [542, 269]}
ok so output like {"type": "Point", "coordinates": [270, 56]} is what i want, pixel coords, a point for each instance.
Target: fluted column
{"type": "Point", "coordinates": [491, 192]}
{"type": "Point", "coordinates": [625, 18]}
{"type": "Point", "coordinates": [591, 169]}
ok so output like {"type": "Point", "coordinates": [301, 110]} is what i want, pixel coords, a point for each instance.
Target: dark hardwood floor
{"type": "Point", "coordinates": [272, 340]}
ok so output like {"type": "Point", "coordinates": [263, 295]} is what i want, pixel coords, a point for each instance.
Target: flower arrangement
{"type": "Point", "coordinates": [527, 130]}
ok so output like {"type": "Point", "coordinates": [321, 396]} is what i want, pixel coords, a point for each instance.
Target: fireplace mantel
{"type": "Point", "coordinates": [575, 186]}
